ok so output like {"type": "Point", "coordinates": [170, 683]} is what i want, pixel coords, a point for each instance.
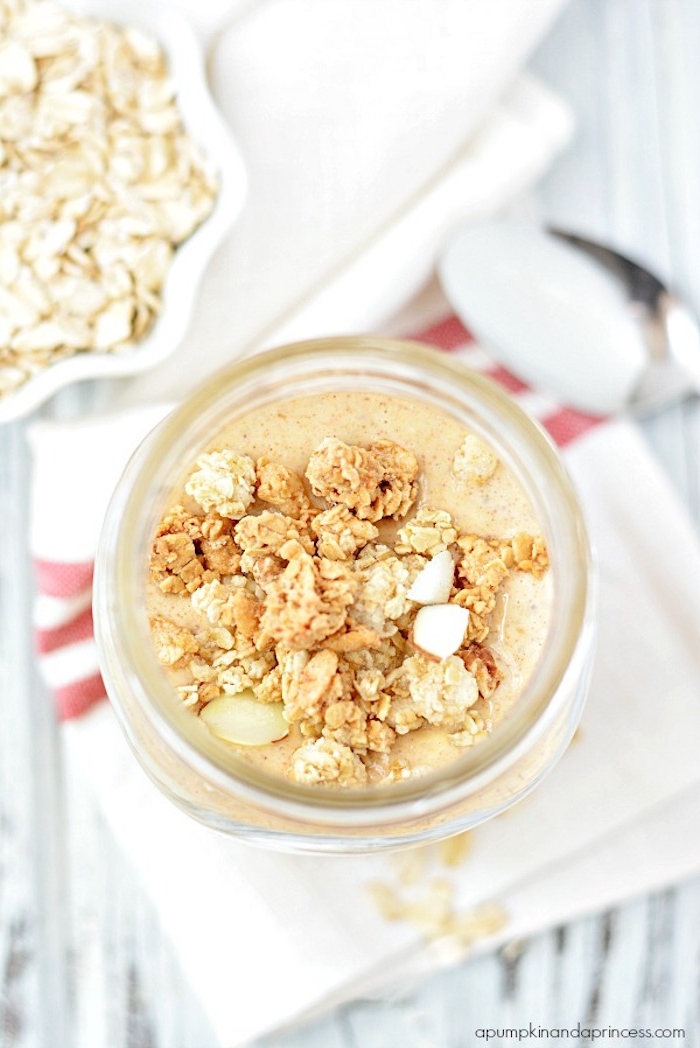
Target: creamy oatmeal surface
{"type": "Point", "coordinates": [348, 588]}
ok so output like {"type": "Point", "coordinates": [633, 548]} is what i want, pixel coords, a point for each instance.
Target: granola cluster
{"type": "Point", "coordinates": [296, 591]}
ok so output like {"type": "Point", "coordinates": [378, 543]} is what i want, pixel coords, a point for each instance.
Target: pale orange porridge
{"type": "Point", "coordinates": [349, 588]}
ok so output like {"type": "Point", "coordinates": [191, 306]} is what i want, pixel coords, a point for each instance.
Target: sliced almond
{"type": "Point", "coordinates": [244, 720]}
{"type": "Point", "coordinates": [433, 583]}
{"type": "Point", "coordinates": [438, 629]}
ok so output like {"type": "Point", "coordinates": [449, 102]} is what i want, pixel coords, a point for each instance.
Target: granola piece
{"type": "Point", "coordinates": [398, 770]}
{"type": "Point", "coordinates": [478, 628]}
{"type": "Point", "coordinates": [438, 692]}
{"type": "Point", "coordinates": [482, 665]}
{"type": "Point", "coordinates": [346, 722]}
{"type": "Point", "coordinates": [269, 689]}
{"type": "Point", "coordinates": [328, 762]}
{"type": "Point", "coordinates": [380, 737]}
{"type": "Point", "coordinates": [480, 563]}
{"type": "Point", "coordinates": [308, 601]}
{"type": "Point", "coordinates": [202, 671]}
{"type": "Point", "coordinates": [222, 638]}
{"type": "Point", "coordinates": [430, 532]}
{"type": "Point", "coordinates": [340, 534]}
{"type": "Point", "coordinates": [207, 692]}
{"type": "Point", "coordinates": [205, 685]}
{"type": "Point", "coordinates": [223, 481]}
{"type": "Point", "coordinates": [283, 488]}
{"type": "Point", "coordinates": [244, 675]}
{"type": "Point", "coordinates": [481, 571]}
{"type": "Point", "coordinates": [247, 612]}
{"type": "Point", "coordinates": [399, 485]}
{"type": "Point", "coordinates": [402, 717]}
{"type": "Point", "coordinates": [257, 664]}
{"type": "Point", "coordinates": [233, 679]}
{"type": "Point", "coordinates": [291, 663]}
{"type": "Point", "coordinates": [379, 709]}
{"type": "Point", "coordinates": [374, 482]}
{"type": "Point", "coordinates": [173, 643]}
{"type": "Point", "coordinates": [474, 461]}
{"type": "Point", "coordinates": [219, 551]}
{"type": "Point", "coordinates": [368, 683]}
{"type": "Point", "coordinates": [381, 597]}
{"type": "Point", "coordinates": [216, 601]}
{"type": "Point", "coordinates": [265, 534]}
{"type": "Point", "coordinates": [353, 638]}
{"type": "Point", "coordinates": [189, 696]}
{"type": "Point", "coordinates": [177, 520]}
{"type": "Point", "coordinates": [526, 553]}
{"type": "Point", "coordinates": [371, 668]}
{"type": "Point", "coordinates": [174, 562]}
{"type": "Point", "coordinates": [242, 666]}
{"type": "Point", "coordinates": [474, 729]}
{"type": "Point", "coordinates": [345, 474]}
{"type": "Point", "coordinates": [265, 569]}
{"type": "Point", "coordinates": [316, 686]}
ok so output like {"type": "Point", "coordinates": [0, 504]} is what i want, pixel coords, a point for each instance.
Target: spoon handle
{"type": "Point", "coordinates": [683, 333]}
{"type": "Point", "coordinates": [643, 287]}
{"type": "Point", "coordinates": [672, 332]}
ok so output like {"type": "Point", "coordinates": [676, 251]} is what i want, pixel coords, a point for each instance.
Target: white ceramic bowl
{"type": "Point", "coordinates": [206, 126]}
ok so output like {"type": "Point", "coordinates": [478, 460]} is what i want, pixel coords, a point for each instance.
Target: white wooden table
{"type": "Point", "coordinates": [82, 963]}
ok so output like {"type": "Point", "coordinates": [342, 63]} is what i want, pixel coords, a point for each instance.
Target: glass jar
{"type": "Point", "coordinates": [207, 778]}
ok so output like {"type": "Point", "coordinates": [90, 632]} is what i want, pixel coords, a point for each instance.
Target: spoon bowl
{"type": "Point", "coordinates": [572, 317]}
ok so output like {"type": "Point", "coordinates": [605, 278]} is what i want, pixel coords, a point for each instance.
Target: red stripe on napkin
{"type": "Point", "coordinates": [63, 580]}
{"type": "Point", "coordinates": [449, 333]}
{"type": "Point", "coordinates": [507, 379]}
{"type": "Point", "coordinates": [73, 580]}
{"type": "Point", "coordinates": [567, 425]}
{"type": "Point", "coordinates": [79, 628]}
{"type": "Point", "coordinates": [76, 698]}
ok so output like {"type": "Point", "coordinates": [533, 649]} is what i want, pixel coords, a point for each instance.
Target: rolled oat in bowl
{"type": "Point", "coordinates": [99, 185]}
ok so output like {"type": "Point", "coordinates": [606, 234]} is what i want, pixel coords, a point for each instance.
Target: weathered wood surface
{"type": "Point", "coordinates": [82, 961]}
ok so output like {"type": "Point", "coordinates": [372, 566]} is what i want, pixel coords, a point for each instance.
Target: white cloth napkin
{"type": "Point", "coordinates": [615, 818]}
{"type": "Point", "coordinates": [368, 128]}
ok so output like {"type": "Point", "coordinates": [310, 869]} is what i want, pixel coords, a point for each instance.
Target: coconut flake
{"type": "Point", "coordinates": [438, 629]}
{"type": "Point", "coordinates": [433, 584]}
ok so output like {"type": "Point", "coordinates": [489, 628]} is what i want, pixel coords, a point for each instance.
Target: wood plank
{"type": "Point", "coordinates": [20, 911]}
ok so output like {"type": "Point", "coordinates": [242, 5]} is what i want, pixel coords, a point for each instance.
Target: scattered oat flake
{"type": "Point", "coordinates": [431, 907]}
{"type": "Point", "coordinates": [454, 850]}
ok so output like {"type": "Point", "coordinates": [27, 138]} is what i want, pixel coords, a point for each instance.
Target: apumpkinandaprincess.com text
{"type": "Point", "coordinates": [578, 1032]}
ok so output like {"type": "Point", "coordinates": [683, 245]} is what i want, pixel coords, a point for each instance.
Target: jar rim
{"type": "Point", "coordinates": [408, 369]}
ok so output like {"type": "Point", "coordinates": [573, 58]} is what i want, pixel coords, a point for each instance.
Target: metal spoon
{"type": "Point", "coordinates": [572, 317]}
